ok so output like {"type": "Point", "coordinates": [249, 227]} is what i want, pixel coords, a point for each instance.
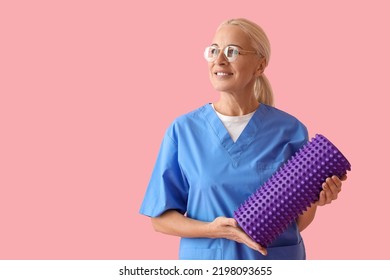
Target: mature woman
{"type": "Point", "coordinates": [213, 158]}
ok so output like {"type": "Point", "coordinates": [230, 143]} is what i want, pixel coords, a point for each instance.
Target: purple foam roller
{"type": "Point", "coordinates": [290, 190]}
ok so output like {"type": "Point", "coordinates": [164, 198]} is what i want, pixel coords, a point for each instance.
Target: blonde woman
{"type": "Point", "coordinates": [214, 157]}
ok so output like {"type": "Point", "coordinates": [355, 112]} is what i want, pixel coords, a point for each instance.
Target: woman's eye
{"type": "Point", "coordinates": [232, 52]}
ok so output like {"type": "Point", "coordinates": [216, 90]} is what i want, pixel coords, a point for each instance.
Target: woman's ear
{"type": "Point", "coordinates": [261, 67]}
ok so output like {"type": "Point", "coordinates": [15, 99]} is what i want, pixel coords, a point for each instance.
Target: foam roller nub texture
{"type": "Point", "coordinates": [290, 190]}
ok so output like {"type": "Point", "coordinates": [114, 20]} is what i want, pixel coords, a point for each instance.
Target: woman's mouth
{"type": "Point", "coordinates": [223, 74]}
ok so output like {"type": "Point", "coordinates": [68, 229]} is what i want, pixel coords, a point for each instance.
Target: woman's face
{"type": "Point", "coordinates": [237, 77]}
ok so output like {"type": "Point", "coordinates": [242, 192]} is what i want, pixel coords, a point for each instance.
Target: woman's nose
{"type": "Point", "coordinates": [221, 58]}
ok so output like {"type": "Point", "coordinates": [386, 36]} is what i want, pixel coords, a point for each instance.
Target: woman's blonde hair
{"type": "Point", "coordinates": [261, 44]}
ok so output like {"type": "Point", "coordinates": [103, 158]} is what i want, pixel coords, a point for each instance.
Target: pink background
{"type": "Point", "coordinates": [87, 89]}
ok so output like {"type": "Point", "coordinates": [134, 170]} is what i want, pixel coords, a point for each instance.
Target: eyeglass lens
{"type": "Point", "coordinates": [212, 52]}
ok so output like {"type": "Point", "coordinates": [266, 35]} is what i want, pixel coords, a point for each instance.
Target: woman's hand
{"type": "Point", "coordinates": [228, 228]}
{"type": "Point", "coordinates": [174, 223]}
{"type": "Point", "coordinates": [330, 190]}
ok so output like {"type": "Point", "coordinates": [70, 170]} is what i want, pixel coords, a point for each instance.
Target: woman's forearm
{"type": "Point", "coordinates": [330, 190]}
{"type": "Point", "coordinates": [306, 218]}
{"type": "Point", "coordinates": [173, 223]}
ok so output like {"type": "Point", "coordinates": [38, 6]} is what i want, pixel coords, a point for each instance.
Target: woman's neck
{"type": "Point", "coordinates": [232, 106]}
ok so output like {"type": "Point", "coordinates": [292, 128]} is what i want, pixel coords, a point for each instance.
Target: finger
{"type": "Point", "coordinates": [331, 189]}
{"type": "Point", "coordinates": [337, 185]}
{"type": "Point", "coordinates": [263, 251]}
{"type": "Point", "coordinates": [254, 245]}
{"type": "Point", "coordinates": [231, 222]}
{"type": "Point", "coordinates": [322, 197]}
{"type": "Point", "coordinates": [328, 197]}
{"type": "Point", "coordinates": [336, 180]}
{"type": "Point", "coordinates": [344, 177]}
{"type": "Point", "coordinates": [248, 241]}
{"type": "Point", "coordinates": [328, 194]}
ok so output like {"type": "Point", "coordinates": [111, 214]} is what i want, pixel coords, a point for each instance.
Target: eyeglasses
{"type": "Point", "coordinates": [231, 52]}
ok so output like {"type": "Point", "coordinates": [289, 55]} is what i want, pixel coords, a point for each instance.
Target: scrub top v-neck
{"type": "Point", "coordinates": [202, 173]}
{"type": "Point", "coordinates": [234, 124]}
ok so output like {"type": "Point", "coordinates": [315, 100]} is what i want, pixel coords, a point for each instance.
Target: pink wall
{"type": "Point", "coordinates": [87, 89]}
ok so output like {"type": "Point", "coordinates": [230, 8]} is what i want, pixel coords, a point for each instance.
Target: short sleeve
{"type": "Point", "coordinates": [302, 135]}
{"type": "Point", "coordinates": [168, 188]}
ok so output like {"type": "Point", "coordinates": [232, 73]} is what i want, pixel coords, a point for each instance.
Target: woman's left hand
{"type": "Point", "coordinates": [330, 190]}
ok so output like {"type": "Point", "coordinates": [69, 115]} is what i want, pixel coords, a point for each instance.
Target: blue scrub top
{"type": "Point", "coordinates": [202, 173]}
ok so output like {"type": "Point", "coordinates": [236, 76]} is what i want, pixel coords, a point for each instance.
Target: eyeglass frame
{"type": "Point", "coordinates": [224, 51]}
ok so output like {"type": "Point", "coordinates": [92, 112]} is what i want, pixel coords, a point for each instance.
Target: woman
{"type": "Point", "coordinates": [213, 158]}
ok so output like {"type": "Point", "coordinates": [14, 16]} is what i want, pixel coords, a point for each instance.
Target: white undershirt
{"type": "Point", "coordinates": [234, 124]}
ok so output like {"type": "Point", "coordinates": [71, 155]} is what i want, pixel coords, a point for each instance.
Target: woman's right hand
{"type": "Point", "coordinates": [174, 223]}
{"type": "Point", "coordinates": [228, 228]}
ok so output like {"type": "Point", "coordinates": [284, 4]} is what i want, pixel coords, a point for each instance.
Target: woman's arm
{"type": "Point", "coordinates": [173, 223]}
{"type": "Point", "coordinates": [330, 190]}
{"type": "Point", "coordinates": [306, 218]}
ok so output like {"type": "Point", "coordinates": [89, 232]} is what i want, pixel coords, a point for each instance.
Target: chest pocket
{"type": "Point", "coordinates": [266, 169]}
